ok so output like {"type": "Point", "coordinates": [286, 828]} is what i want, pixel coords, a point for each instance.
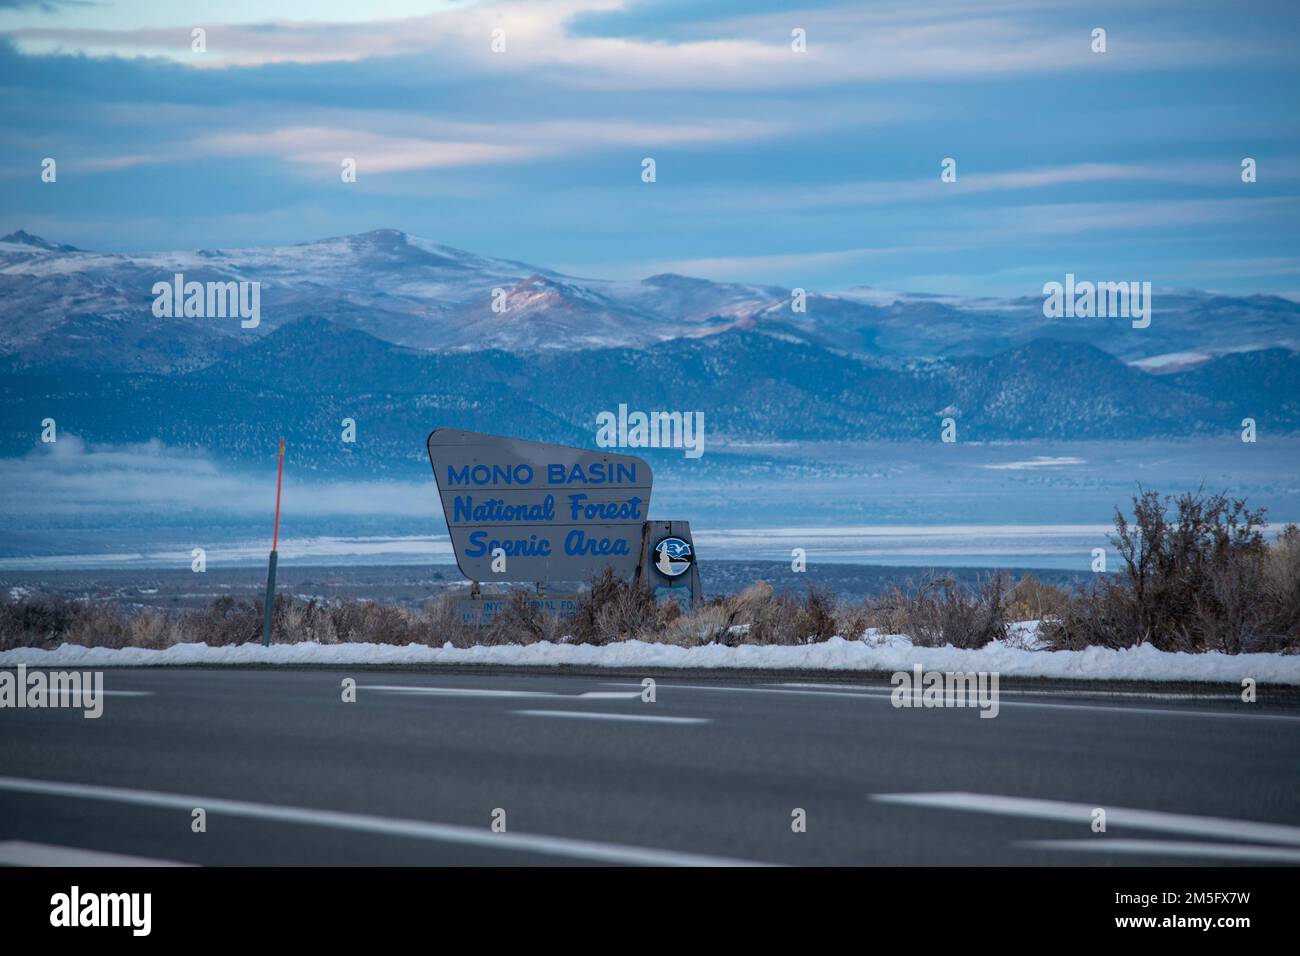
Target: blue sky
{"type": "Point", "coordinates": [817, 169]}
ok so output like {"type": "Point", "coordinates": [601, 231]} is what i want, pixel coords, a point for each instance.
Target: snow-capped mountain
{"type": "Point", "coordinates": [62, 305]}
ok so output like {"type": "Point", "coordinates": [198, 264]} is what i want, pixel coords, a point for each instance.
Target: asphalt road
{"type": "Point", "coordinates": [712, 771]}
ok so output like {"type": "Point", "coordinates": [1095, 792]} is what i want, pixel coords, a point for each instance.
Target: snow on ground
{"type": "Point", "coordinates": [1019, 656]}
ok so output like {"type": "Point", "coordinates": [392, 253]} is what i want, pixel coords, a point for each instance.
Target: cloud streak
{"type": "Point", "coordinates": [380, 152]}
{"type": "Point", "coordinates": [742, 53]}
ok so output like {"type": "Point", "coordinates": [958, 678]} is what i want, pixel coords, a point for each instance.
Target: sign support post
{"type": "Point", "coordinates": [270, 567]}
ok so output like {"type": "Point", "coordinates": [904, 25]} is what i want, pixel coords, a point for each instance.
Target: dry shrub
{"type": "Point", "coordinates": [41, 621]}
{"type": "Point", "coordinates": [1198, 575]}
{"type": "Point", "coordinates": [1191, 575]}
{"type": "Point", "coordinates": [224, 621]}
{"type": "Point", "coordinates": [852, 621]}
{"type": "Point", "coordinates": [744, 607]}
{"type": "Point", "coordinates": [816, 620]}
{"type": "Point", "coordinates": [1280, 588]}
{"type": "Point", "coordinates": [293, 622]}
{"type": "Point", "coordinates": [667, 613]}
{"type": "Point", "coordinates": [944, 613]}
{"type": "Point", "coordinates": [706, 624]}
{"type": "Point", "coordinates": [1102, 616]}
{"type": "Point", "coordinates": [787, 619]}
{"type": "Point", "coordinates": [365, 622]}
{"type": "Point", "coordinates": [521, 619]}
{"type": "Point", "coordinates": [774, 623]}
{"type": "Point", "coordinates": [97, 625]}
{"type": "Point", "coordinates": [1034, 600]}
{"type": "Point", "coordinates": [151, 629]}
{"type": "Point", "coordinates": [443, 621]}
{"type": "Point", "coordinates": [614, 609]}
{"type": "Point", "coordinates": [50, 621]}
{"type": "Point", "coordinates": [887, 613]}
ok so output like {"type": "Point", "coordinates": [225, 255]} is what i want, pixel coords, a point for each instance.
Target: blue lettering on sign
{"type": "Point", "coordinates": [496, 511]}
{"type": "Point", "coordinates": [580, 509]}
{"type": "Point", "coordinates": [596, 473]}
{"type": "Point", "coordinates": [577, 542]}
{"type": "Point", "coordinates": [480, 546]}
{"type": "Point", "coordinates": [490, 475]}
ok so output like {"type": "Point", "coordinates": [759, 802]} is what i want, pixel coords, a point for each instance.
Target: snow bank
{"type": "Point", "coordinates": [1016, 657]}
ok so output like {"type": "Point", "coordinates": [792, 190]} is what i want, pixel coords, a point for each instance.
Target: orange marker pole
{"type": "Point", "coordinates": [275, 545]}
{"type": "Point", "coordinates": [279, 476]}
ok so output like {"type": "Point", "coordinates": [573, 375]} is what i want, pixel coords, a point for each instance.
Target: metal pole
{"type": "Point", "coordinates": [270, 566]}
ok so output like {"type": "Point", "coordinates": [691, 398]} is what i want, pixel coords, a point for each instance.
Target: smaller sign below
{"type": "Point", "coordinates": [479, 611]}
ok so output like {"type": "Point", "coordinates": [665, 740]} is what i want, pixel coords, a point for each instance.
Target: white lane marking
{"type": "Point", "coordinates": [1081, 813]}
{"type": "Point", "coordinates": [72, 698]}
{"type": "Point", "coordinates": [492, 692]}
{"type": "Point", "coordinates": [1122, 694]}
{"type": "Point", "coordinates": [759, 690]}
{"type": "Point", "coordinates": [418, 829]}
{"type": "Point", "coordinates": [1159, 711]}
{"type": "Point", "coordinates": [453, 691]}
{"type": "Point", "coordinates": [1223, 851]}
{"type": "Point", "coordinates": [883, 695]}
{"type": "Point", "coordinates": [1073, 692]}
{"type": "Point", "coordinates": [22, 853]}
{"type": "Point", "coordinates": [593, 715]}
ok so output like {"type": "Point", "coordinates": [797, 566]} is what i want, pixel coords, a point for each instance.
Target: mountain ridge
{"type": "Point", "coordinates": [301, 380]}
{"type": "Point", "coordinates": [65, 306]}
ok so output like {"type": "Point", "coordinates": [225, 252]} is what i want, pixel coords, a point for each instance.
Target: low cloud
{"type": "Point", "coordinates": [71, 477]}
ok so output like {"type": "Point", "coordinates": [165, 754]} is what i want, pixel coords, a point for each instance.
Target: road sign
{"type": "Point", "coordinates": [526, 511]}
